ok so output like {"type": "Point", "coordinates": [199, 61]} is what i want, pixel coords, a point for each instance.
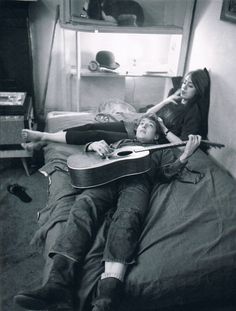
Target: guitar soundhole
{"type": "Point", "coordinates": [124, 153]}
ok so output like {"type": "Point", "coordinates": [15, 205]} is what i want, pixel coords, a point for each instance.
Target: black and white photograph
{"type": "Point", "coordinates": [117, 155]}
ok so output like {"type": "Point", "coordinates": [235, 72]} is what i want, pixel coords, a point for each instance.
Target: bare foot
{"type": "Point", "coordinates": [32, 146]}
{"type": "Point", "coordinates": [30, 135]}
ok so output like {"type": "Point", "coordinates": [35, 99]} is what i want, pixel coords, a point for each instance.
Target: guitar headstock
{"type": "Point", "coordinates": [213, 144]}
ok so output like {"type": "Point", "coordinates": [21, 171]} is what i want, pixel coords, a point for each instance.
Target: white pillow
{"type": "Point", "coordinates": [113, 106]}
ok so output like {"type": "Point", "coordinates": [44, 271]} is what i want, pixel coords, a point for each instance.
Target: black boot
{"type": "Point", "coordinates": [109, 295]}
{"type": "Point", "coordinates": [58, 288]}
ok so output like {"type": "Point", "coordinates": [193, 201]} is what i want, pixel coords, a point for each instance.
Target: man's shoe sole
{"type": "Point", "coordinates": [31, 303]}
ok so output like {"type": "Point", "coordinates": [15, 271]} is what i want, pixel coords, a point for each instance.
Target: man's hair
{"type": "Point", "coordinates": [153, 117]}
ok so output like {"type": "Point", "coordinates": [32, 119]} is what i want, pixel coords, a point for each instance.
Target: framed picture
{"type": "Point", "coordinates": [228, 11]}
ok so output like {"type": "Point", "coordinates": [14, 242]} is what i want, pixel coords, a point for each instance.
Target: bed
{"type": "Point", "coordinates": [187, 252]}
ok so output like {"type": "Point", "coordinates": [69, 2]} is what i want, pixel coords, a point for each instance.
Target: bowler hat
{"type": "Point", "coordinates": [106, 59]}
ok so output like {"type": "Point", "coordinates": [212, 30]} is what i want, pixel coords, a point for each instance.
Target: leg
{"type": "Point", "coordinates": [114, 269]}
{"type": "Point", "coordinates": [80, 138]}
{"type": "Point", "coordinates": [31, 146]}
{"type": "Point", "coordinates": [80, 135]}
{"type": "Point", "coordinates": [86, 215]}
{"type": "Point", "coordinates": [69, 250]}
{"type": "Point", "coordinates": [108, 127]}
{"type": "Point", "coordinates": [24, 162]}
{"type": "Point", "coordinates": [110, 132]}
{"type": "Point", "coordinates": [110, 287]}
{"type": "Point", "coordinates": [35, 136]}
{"type": "Point", "coordinates": [58, 288]}
{"type": "Point", "coordinates": [122, 241]}
{"type": "Point", "coordinates": [127, 220]}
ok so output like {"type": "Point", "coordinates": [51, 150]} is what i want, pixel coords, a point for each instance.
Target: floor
{"type": "Point", "coordinates": [20, 265]}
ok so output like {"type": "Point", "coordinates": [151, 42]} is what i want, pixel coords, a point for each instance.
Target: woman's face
{"type": "Point", "coordinates": [188, 90]}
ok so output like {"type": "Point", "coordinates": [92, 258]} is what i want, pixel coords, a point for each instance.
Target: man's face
{"type": "Point", "coordinates": [146, 131]}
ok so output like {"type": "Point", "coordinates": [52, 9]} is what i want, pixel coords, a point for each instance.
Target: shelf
{"type": "Point", "coordinates": [23, 154]}
{"type": "Point", "coordinates": [108, 28]}
{"type": "Point", "coordinates": [17, 153]}
{"type": "Point", "coordinates": [86, 73]}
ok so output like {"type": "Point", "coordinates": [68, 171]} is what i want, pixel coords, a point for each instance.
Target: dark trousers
{"type": "Point", "coordinates": [130, 195]}
{"type": "Point", "coordinates": [110, 132]}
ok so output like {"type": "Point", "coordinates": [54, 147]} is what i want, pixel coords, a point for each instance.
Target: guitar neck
{"type": "Point", "coordinates": [175, 145]}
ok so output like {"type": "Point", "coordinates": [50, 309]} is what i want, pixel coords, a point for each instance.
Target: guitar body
{"type": "Point", "coordinates": [88, 169]}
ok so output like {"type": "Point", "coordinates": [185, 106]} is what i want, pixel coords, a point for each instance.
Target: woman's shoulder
{"type": "Point", "coordinates": [172, 113]}
{"type": "Point", "coordinates": [192, 110]}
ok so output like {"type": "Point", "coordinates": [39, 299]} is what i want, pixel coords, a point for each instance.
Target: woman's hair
{"type": "Point", "coordinates": [201, 80]}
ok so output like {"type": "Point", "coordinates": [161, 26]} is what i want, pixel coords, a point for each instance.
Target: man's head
{"type": "Point", "coordinates": [148, 129]}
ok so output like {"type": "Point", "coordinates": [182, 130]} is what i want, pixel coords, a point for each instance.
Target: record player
{"type": "Point", "coordinates": [16, 113]}
{"type": "Point", "coordinates": [13, 103]}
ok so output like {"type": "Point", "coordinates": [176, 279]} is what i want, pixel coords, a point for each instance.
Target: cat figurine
{"type": "Point", "coordinates": [125, 12]}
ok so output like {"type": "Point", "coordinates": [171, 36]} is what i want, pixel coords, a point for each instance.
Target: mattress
{"type": "Point", "coordinates": [187, 250]}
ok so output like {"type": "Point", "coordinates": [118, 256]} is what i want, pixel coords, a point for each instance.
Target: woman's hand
{"type": "Point", "coordinates": [171, 99]}
{"type": "Point", "coordinates": [192, 144]}
{"type": "Point", "coordinates": [101, 147]}
{"type": "Point", "coordinates": [174, 97]}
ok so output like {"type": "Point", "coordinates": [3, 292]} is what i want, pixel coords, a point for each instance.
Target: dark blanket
{"type": "Point", "coordinates": [187, 251]}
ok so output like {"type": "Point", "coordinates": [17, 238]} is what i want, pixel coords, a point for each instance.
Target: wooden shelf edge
{"type": "Point", "coordinates": [96, 74]}
{"type": "Point", "coordinates": [173, 30]}
{"type": "Point", "coordinates": [15, 154]}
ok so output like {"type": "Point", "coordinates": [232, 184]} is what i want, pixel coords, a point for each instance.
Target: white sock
{"type": "Point", "coordinates": [112, 275]}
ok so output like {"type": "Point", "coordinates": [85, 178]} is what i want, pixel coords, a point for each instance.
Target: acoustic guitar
{"type": "Point", "coordinates": [88, 169]}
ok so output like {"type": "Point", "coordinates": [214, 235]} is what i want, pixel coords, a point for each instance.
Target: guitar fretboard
{"type": "Point", "coordinates": [175, 145]}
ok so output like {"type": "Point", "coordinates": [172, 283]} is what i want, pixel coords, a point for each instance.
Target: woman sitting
{"type": "Point", "coordinates": [186, 111]}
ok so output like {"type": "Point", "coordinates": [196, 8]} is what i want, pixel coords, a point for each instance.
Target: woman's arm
{"type": "Point", "coordinates": [191, 123]}
{"type": "Point", "coordinates": [168, 134]}
{"type": "Point", "coordinates": [171, 99]}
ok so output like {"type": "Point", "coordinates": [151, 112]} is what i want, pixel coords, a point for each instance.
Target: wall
{"type": "Point", "coordinates": [213, 46]}
{"type": "Point", "coordinates": [131, 51]}
{"type": "Point", "coordinates": [133, 54]}
{"type": "Point", "coordinates": [62, 86]}
{"type": "Point", "coordinates": [15, 53]}
{"type": "Point", "coordinates": [42, 21]}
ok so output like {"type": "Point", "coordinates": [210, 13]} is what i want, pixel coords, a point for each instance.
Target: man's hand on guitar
{"type": "Point", "coordinates": [192, 144]}
{"type": "Point", "coordinates": [101, 147]}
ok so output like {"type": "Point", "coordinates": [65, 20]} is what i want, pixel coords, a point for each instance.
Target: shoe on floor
{"type": "Point", "coordinates": [19, 191]}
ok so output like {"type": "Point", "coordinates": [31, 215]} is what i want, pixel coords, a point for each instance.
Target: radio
{"type": "Point", "coordinates": [93, 65]}
{"type": "Point", "coordinates": [16, 113]}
